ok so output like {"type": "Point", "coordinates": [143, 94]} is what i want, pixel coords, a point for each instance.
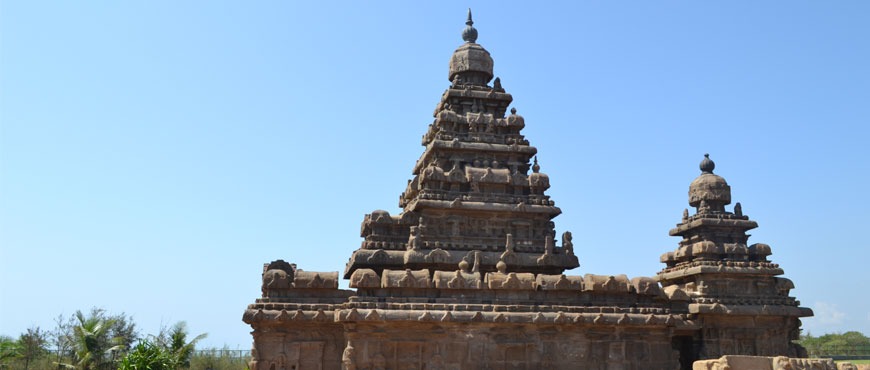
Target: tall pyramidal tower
{"type": "Point", "coordinates": [477, 192]}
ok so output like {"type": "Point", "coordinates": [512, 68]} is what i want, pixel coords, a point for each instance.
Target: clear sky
{"type": "Point", "coordinates": [153, 155]}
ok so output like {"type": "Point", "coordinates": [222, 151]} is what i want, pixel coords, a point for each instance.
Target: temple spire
{"type": "Point", "coordinates": [469, 34]}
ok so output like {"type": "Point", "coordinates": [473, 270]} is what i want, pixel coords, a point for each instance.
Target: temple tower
{"type": "Point", "coordinates": [736, 295]}
{"type": "Point", "coordinates": [472, 190]}
{"type": "Point", "coordinates": [469, 274]}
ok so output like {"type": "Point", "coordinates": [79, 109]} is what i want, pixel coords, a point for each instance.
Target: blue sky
{"type": "Point", "coordinates": [153, 155]}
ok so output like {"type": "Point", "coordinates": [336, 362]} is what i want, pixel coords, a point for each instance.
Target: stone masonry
{"type": "Point", "coordinates": [469, 275]}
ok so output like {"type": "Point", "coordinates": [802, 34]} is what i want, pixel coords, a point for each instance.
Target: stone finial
{"type": "Point", "coordinates": [501, 267]}
{"type": "Point", "coordinates": [469, 34]}
{"type": "Point", "coordinates": [707, 164]}
{"type": "Point", "coordinates": [463, 266]}
{"type": "Point", "coordinates": [470, 60]}
{"type": "Point", "coordinates": [514, 110]}
{"type": "Point", "coordinates": [535, 167]}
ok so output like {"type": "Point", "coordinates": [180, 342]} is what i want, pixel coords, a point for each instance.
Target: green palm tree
{"type": "Point", "coordinates": [88, 341]}
{"type": "Point", "coordinates": [9, 350]}
{"type": "Point", "coordinates": [178, 346]}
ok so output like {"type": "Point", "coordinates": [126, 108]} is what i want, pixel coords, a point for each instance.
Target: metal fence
{"type": "Point", "coordinates": [830, 351]}
{"type": "Point", "coordinates": [230, 353]}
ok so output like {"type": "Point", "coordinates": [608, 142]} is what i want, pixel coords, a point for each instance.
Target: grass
{"type": "Point", "coordinates": [856, 362]}
{"type": "Point", "coordinates": [200, 361]}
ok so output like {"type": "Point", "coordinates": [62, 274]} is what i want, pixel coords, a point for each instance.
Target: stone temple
{"type": "Point", "coordinates": [469, 275]}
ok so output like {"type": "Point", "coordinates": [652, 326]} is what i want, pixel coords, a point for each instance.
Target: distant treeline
{"type": "Point", "coordinates": [102, 341]}
{"type": "Point", "coordinates": [850, 343]}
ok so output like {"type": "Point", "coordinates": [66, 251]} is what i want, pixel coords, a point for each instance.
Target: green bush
{"type": "Point", "coordinates": [147, 356]}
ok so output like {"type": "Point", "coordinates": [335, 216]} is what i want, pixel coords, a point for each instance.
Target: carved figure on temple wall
{"type": "Point", "coordinates": [412, 239]}
{"type": "Point", "coordinates": [509, 244]}
{"type": "Point", "coordinates": [457, 281]}
{"type": "Point", "coordinates": [365, 278]}
{"type": "Point", "coordinates": [511, 282]}
{"type": "Point", "coordinates": [738, 209]}
{"type": "Point", "coordinates": [549, 247]}
{"type": "Point", "coordinates": [435, 363]}
{"type": "Point", "coordinates": [719, 364]}
{"type": "Point", "coordinates": [276, 279]}
{"type": "Point", "coordinates": [473, 122]}
{"type": "Point", "coordinates": [509, 256]}
{"type": "Point", "coordinates": [348, 360]}
{"type": "Point", "coordinates": [703, 207]}
{"type": "Point", "coordinates": [379, 362]}
{"type": "Point", "coordinates": [567, 243]}
{"type": "Point", "coordinates": [408, 280]}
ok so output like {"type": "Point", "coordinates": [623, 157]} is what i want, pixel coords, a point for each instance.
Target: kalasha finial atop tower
{"type": "Point", "coordinates": [707, 164]}
{"type": "Point", "coordinates": [536, 167]}
{"type": "Point", "coordinates": [471, 62]}
{"type": "Point", "coordinates": [469, 34]}
{"type": "Point", "coordinates": [709, 192]}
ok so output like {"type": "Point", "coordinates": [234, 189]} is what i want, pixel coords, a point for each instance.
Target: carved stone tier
{"type": "Point", "coordinates": [441, 259]}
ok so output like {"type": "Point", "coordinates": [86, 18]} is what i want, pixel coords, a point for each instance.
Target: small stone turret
{"type": "Point", "coordinates": [712, 233]}
{"type": "Point", "coordinates": [734, 288]}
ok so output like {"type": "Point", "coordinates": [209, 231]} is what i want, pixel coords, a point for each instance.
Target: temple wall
{"type": "Point", "coordinates": [493, 346]}
{"type": "Point", "coordinates": [747, 335]}
{"type": "Point", "coordinates": [297, 347]}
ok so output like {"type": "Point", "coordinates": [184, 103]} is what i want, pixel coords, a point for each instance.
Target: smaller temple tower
{"type": "Point", "coordinates": [737, 298]}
